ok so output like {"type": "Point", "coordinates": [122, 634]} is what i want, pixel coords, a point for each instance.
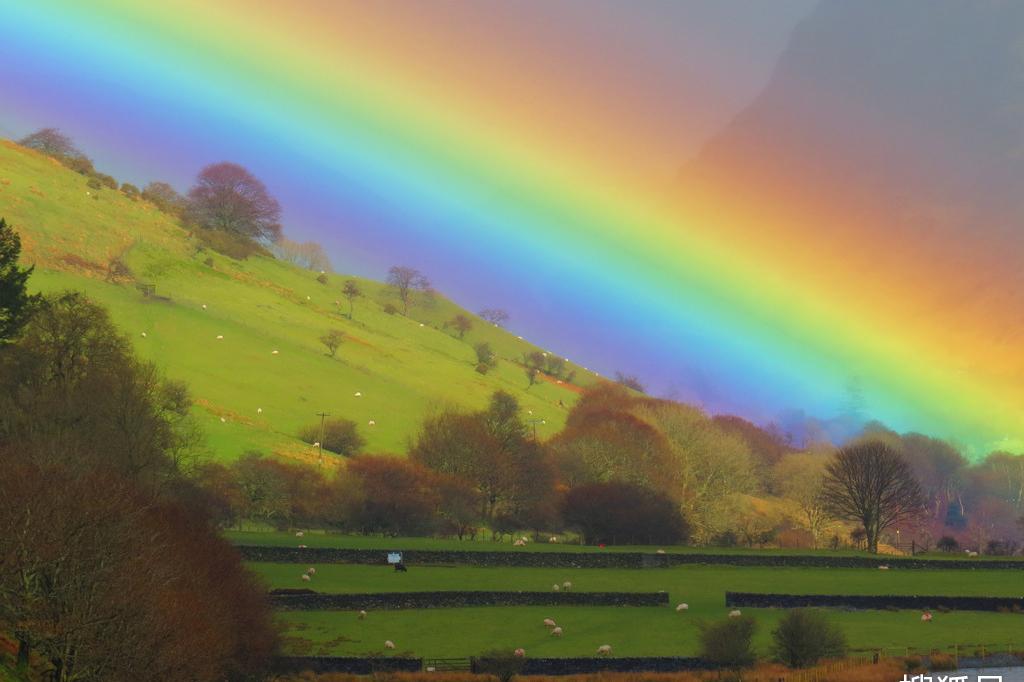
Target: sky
{"type": "Point", "coordinates": [513, 152]}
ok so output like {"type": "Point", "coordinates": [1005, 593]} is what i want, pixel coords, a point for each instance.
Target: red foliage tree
{"type": "Point", "coordinates": [229, 198]}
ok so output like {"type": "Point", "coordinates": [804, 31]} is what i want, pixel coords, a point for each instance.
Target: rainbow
{"type": "Point", "coordinates": [334, 108]}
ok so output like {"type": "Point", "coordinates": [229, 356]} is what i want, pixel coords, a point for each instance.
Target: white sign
{"type": "Point", "coordinates": [394, 557]}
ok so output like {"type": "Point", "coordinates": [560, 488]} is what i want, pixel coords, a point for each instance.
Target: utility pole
{"type": "Point", "coordinates": [320, 441]}
{"type": "Point", "coordinates": [536, 421]}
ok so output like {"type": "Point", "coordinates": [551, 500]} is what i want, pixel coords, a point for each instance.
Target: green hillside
{"type": "Point", "coordinates": [402, 366]}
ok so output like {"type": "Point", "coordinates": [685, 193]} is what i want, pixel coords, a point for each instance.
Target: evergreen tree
{"type": "Point", "coordinates": [15, 302]}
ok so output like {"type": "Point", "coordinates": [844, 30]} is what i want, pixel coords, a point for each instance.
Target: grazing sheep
{"type": "Point", "coordinates": [204, 306]}
{"type": "Point", "coordinates": [311, 570]}
{"type": "Point", "coordinates": [274, 352]}
{"type": "Point", "coordinates": [299, 534]}
{"type": "Point", "coordinates": [519, 543]}
{"type": "Point", "coordinates": [660, 551]}
{"type": "Point", "coordinates": [553, 539]}
{"type": "Point", "coordinates": [973, 554]}
{"type": "Point", "coordinates": [223, 420]}
{"type": "Point", "coordinates": [567, 585]}
{"type": "Point", "coordinates": [362, 615]}
{"type": "Point", "coordinates": [604, 650]}
{"type": "Point", "coordinates": [359, 394]}
{"type": "Point", "coordinates": [557, 632]}
{"type": "Point", "coordinates": [388, 644]}
{"type": "Point", "coordinates": [519, 653]}
{"type": "Point", "coordinates": [259, 410]}
{"type": "Point", "coordinates": [143, 334]}
{"type": "Point", "coordinates": [556, 587]}
{"type": "Point", "coordinates": [306, 578]}
{"type": "Point", "coordinates": [371, 423]}
{"type": "Point", "coordinates": [525, 539]}
{"type": "Point", "coordinates": [302, 546]}
{"type": "Point", "coordinates": [683, 607]}
{"type": "Point", "coordinates": [735, 613]}
{"type": "Point", "coordinates": [316, 444]}
{"type": "Point", "coordinates": [926, 617]}
{"type": "Point", "coordinates": [309, 298]}
{"type": "Point", "coordinates": [220, 337]}
{"type": "Point", "coordinates": [549, 623]}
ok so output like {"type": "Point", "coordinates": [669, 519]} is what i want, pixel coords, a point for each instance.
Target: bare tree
{"type": "Point", "coordinates": [405, 280]}
{"type": "Point", "coordinates": [532, 365]}
{"type": "Point", "coordinates": [165, 198]}
{"type": "Point", "coordinates": [495, 316]}
{"type": "Point", "coordinates": [227, 197]}
{"type": "Point", "coordinates": [461, 324]}
{"type": "Point", "coordinates": [308, 255]}
{"type": "Point", "coordinates": [332, 340]}
{"type": "Point", "coordinates": [630, 381]}
{"type": "Point", "coordinates": [51, 142]}
{"type": "Point", "coordinates": [351, 291]}
{"type": "Point", "coordinates": [871, 484]}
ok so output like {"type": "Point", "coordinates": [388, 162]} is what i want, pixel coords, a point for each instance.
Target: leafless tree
{"type": "Point", "coordinates": [461, 324]}
{"type": "Point", "coordinates": [871, 484]}
{"type": "Point", "coordinates": [332, 340]}
{"type": "Point", "coordinates": [405, 280]}
{"type": "Point", "coordinates": [51, 142]}
{"type": "Point", "coordinates": [227, 197]}
{"type": "Point", "coordinates": [351, 291]}
{"type": "Point", "coordinates": [629, 381]}
{"type": "Point", "coordinates": [495, 316]}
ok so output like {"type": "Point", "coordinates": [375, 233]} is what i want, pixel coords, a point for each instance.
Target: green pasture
{"type": "Point", "coordinates": [630, 631]}
{"type": "Point", "coordinates": [403, 367]}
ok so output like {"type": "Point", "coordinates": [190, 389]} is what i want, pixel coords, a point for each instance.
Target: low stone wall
{"type": "Point", "coordinates": [342, 664]}
{"type": "Point", "coordinates": [859, 601]}
{"type": "Point", "coordinates": [594, 664]}
{"type": "Point", "coordinates": [318, 601]}
{"type": "Point", "coordinates": [545, 559]}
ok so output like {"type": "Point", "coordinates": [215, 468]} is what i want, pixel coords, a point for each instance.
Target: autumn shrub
{"type": "Point", "coordinates": [230, 244]}
{"type": "Point", "coordinates": [338, 435]}
{"type": "Point", "coordinates": [623, 513]}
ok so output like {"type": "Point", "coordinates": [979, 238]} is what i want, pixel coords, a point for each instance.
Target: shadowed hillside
{"type": "Point", "coordinates": [175, 304]}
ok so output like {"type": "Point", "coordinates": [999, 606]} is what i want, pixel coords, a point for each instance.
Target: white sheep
{"type": "Point", "coordinates": [883, 567]}
{"type": "Point", "coordinates": [362, 615]}
{"type": "Point", "coordinates": [388, 644]}
{"type": "Point", "coordinates": [316, 444]}
{"type": "Point", "coordinates": [371, 423]}
{"type": "Point", "coordinates": [143, 334]}
{"type": "Point", "coordinates": [557, 632]}
{"type": "Point", "coordinates": [311, 570]}
{"type": "Point", "coordinates": [683, 607]}
{"type": "Point", "coordinates": [299, 534]}
{"type": "Point", "coordinates": [519, 543]}
{"type": "Point", "coordinates": [305, 578]}
{"type": "Point", "coordinates": [302, 546]}
{"type": "Point", "coordinates": [735, 613]}
{"type": "Point", "coordinates": [660, 551]}
{"type": "Point", "coordinates": [223, 420]}
{"type": "Point", "coordinates": [604, 650]}
{"type": "Point", "coordinates": [973, 554]}
{"type": "Point", "coordinates": [274, 352]}
{"type": "Point", "coordinates": [359, 394]}
{"type": "Point", "coordinates": [259, 410]}
{"type": "Point", "coordinates": [549, 623]}
{"type": "Point", "coordinates": [567, 585]}
{"type": "Point", "coordinates": [553, 539]}
{"type": "Point", "coordinates": [556, 587]}
{"type": "Point", "coordinates": [220, 337]}
{"type": "Point", "coordinates": [308, 298]}
{"type": "Point", "coordinates": [204, 306]}
{"type": "Point", "coordinates": [519, 653]}
{"type": "Point", "coordinates": [926, 617]}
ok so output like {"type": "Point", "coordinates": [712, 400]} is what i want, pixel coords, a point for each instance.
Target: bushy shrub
{"type": "Point", "coordinates": [130, 190]}
{"type": "Point", "coordinates": [948, 543]}
{"type": "Point", "coordinates": [502, 664]}
{"type": "Point", "coordinates": [805, 636]}
{"type": "Point", "coordinates": [623, 513]}
{"type": "Point", "coordinates": [208, 262]}
{"type": "Point", "coordinates": [390, 308]}
{"type": "Point", "coordinates": [322, 278]}
{"type": "Point", "coordinates": [81, 164]}
{"type": "Point", "coordinates": [728, 643]}
{"type": "Point", "coordinates": [339, 436]}
{"type": "Point", "coordinates": [93, 183]}
{"type": "Point", "coordinates": [105, 180]}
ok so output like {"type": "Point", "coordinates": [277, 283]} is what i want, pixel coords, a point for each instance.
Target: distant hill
{"type": "Point", "coordinates": [246, 396]}
{"type": "Point", "coordinates": [890, 139]}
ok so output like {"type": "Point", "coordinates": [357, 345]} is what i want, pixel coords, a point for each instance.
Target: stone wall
{"type": "Point", "coordinates": [318, 601]}
{"type": "Point", "coordinates": [859, 601]}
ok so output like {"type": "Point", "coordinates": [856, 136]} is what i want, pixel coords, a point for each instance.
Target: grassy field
{"type": "Point", "coordinates": [630, 631]}
{"type": "Point", "coordinates": [402, 366]}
